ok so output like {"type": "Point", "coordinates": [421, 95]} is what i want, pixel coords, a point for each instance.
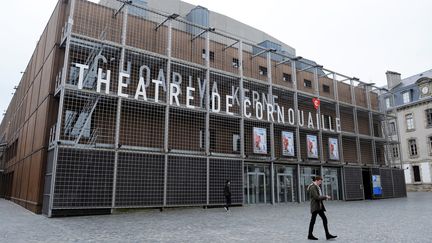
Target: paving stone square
{"type": "Point", "coordinates": [388, 220]}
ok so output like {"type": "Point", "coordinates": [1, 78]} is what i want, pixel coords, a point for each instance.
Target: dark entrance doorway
{"type": "Point", "coordinates": [367, 184]}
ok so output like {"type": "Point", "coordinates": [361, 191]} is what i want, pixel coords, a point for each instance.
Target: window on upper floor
{"type": "Point", "coordinates": [307, 83]}
{"type": "Point", "coordinates": [326, 88]}
{"type": "Point", "coordinates": [212, 55]}
{"type": "Point", "coordinates": [412, 146]}
{"type": "Point", "coordinates": [286, 77]}
{"type": "Point", "coordinates": [392, 128]}
{"type": "Point", "coordinates": [262, 71]}
{"type": "Point", "coordinates": [235, 63]}
{"type": "Point", "coordinates": [429, 117]}
{"type": "Point", "coordinates": [429, 139]}
{"type": "Point", "coordinates": [409, 121]}
{"type": "Point", "coordinates": [387, 102]}
{"type": "Point", "coordinates": [406, 97]}
{"type": "Point", "coordinates": [395, 151]}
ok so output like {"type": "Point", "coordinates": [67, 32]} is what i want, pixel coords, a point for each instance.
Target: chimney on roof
{"type": "Point", "coordinates": [393, 79]}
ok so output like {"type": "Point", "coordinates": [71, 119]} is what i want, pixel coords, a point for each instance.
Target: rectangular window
{"type": "Point", "coordinates": [406, 97]}
{"type": "Point", "coordinates": [236, 142]}
{"type": "Point", "coordinates": [392, 128]}
{"type": "Point", "coordinates": [387, 102]}
{"type": "Point", "coordinates": [235, 63]}
{"type": "Point", "coordinates": [430, 144]}
{"type": "Point", "coordinates": [429, 117]}
{"type": "Point", "coordinates": [326, 88]}
{"type": "Point", "coordinates": [307, 83]}
{"type": "Point", "coordinates": [286, 77]}
{"type": "Point", "coordinates": [212, 55]}
{"type": "Point", "coordinates": [262, 71]}
{"type": "Point", "coordinates": [412, 146]}
{"type": "Point", "coordinates": [409, 121]}
{"type": "Point", "coordinates": [395, 151]}
{"type": "Point", "coordinates": [416, 172]}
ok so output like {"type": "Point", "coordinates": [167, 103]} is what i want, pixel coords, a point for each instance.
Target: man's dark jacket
{"type": "Point", "coordinates": [316, 203]}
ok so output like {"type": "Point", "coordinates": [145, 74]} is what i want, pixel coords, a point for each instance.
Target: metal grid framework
{"type": "Point", "coordinates": [151, 92]}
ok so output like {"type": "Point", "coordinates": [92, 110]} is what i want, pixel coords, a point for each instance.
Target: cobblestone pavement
{"type": "Point", "coordinates": [389, 220]}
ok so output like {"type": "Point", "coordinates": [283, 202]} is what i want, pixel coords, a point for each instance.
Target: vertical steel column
{"type": "Point", "coordinates": [336, 97]}
{"type": "Point", "coordinates": [298, 150]}
{"type": "Point", "coordinates": [167, 110]}
{"type": "Point", "coordinates": [317, 94]}
{"type": "Point", "coordinates": [399, 140]}
{"type": "Point", "coordinates": [207, 121]}
{"type": "Point", "coordinates": [119, 103]}
{"type": "Point", "coordinates": [341, 155]}
{"type": "Point", "coordinates": [61, 102]}
{"type": "Point", "coordinates": [356, 130]}
{"type": "Point", "coordinates": [371, 130]}
{"type": "Point", "coordinates": [242, 98]}
{"type": "Point", "coordinates": [272, 142]}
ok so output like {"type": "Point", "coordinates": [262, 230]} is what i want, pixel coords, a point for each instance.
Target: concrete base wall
{"type": "Point", "coordinates": [419, 187]}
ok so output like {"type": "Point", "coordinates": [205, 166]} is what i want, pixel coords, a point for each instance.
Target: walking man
{"type": "Point", "coordinates": [317, 207]}
{"type": "Point", "coordinates": [227, 194]}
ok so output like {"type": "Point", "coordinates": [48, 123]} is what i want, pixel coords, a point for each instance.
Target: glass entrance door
{"type": "Point", "coordinates": [256, 187]}
{"type": "Point", "coordinates": [306, 175]}
{"type": "Point", "coordinates": [331, 183]}
{"type": "Point", "coordinates": [284, 188]}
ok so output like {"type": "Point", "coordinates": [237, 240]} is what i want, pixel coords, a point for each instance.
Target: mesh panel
{"type": "Point", "coordinates": [140, 180]}
{"type": "Point", "coordinates": [399, 183]}
{"type": "Point", "coordinates": [187, 181]}
{"type": "Point", "coordinates": [353, 182]}
{"type": "Point", "coordinates": [386, 183]}
{"type": "Point", "coordinates": [220, 171]}
{"type": "Point", "coordinates": [84, 178]}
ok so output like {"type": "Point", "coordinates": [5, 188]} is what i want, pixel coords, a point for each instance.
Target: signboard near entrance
{"type": "Point", "coordinates": [376, 184]}
{"type": "Point", "coordinates": [259, 140]}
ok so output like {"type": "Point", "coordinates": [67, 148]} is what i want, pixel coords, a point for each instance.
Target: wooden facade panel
{"type": "Point", "coordinates": [344, 92]}
{"type": "Point", "coordinates": [252, 66]}
{"type": "Point", "coordinates": [47, 78]}
{"type": "Point", "coordinates": [224, 59]}
{"type": "Point", "coordinates": [27, 103]}
{"type": "Point", "coordinates": [363, 123]}
{"type": "Point", "coordinates": [40, 59]}
{"type": "Point", "coordinates": [325, 83]}
{"type": "Point", "coordinates": [30, 134]}
{"type": "Point", "coordinates": [35, 92]}
{"type": "Point", "coordinates": [35, 178]}
{"type": "Point", "coordinates": [40, 135]}
{"type": "Point", "coordinates": [280, 75]}
{"type": "Point", "coordinates": [349, 149]}
{"type": "Point", "coordinates": [96, 21]}
{"type": "Point", "coordinates": [22, 142]}
{"type": "Point", "coordinates": [366, 152]}
{"type": "Point", "coordinates": [16, 187]}
{"type": "Point", "coordinates": [347, 119]}
{"type": "Point", "coordinates": [360, 95]}
{"type": "Point", "coordinates": [374, 101]}
{"type": "Point", "coordinates": [52, 29]}
{"type": "Point", "coordinates": [25, 178]}
{"type": "Point", "coordinates": [142, 34]}
{"type": "Point", "coordinates": [301, 84]}
{"type": "Point", "coordinates": [33, 65]}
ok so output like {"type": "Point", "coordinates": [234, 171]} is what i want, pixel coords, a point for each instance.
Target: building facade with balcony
{"type": "Point", "coordinates": [128, 106]}
{"type": "Point", "coordinates": [410, 101]}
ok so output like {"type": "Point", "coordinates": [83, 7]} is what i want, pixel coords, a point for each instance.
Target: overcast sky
{"type": "Point", "coordinates": [362, 38]}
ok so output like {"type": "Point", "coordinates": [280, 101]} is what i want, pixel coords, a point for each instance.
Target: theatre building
{"type": "Point", "coordinates": [140, 104]}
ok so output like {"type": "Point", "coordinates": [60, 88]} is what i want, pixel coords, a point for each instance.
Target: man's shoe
{"type": "Point", "coordinates": [311, 237]}
{"type": "Point", "coordinates": [329, 236]}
